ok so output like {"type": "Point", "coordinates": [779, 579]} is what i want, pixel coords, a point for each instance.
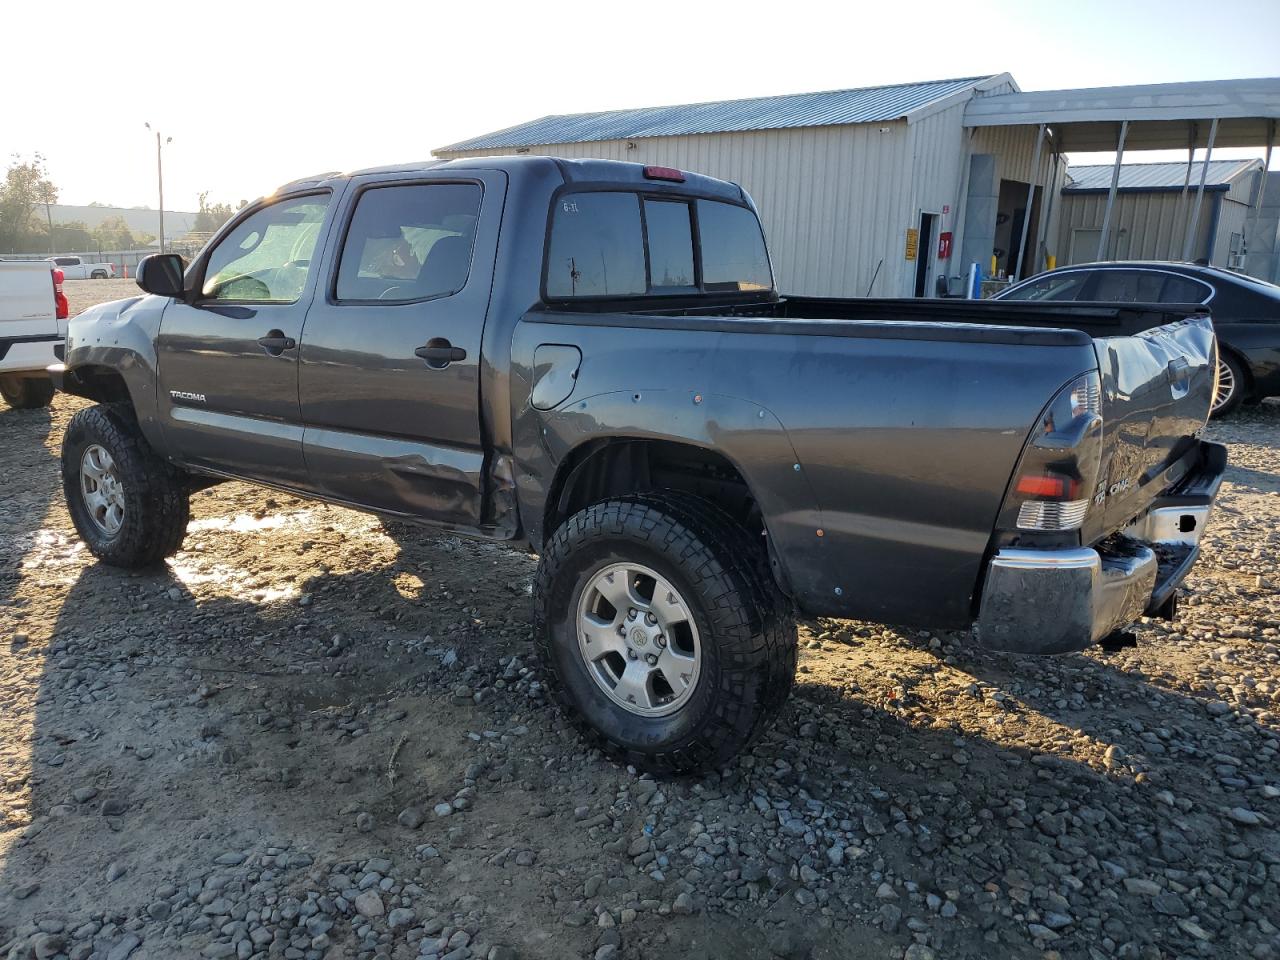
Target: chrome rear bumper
{"type": "Point", "coordinates": [1059, 601]}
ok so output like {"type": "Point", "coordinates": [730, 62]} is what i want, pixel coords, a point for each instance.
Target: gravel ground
{"type": "Point", "coordinates": [313, 736]}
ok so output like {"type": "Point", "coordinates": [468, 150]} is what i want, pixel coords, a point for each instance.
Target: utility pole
{"type": "Point", "coordinates": [160, 180]}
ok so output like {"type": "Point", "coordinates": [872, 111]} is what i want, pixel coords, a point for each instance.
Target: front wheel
{"type": "Point", "coordinates": [129, 506]}
{"type": "Point", "coordinates": [26, 393]}
{"type": "Point", "coordinates": [663, 631]}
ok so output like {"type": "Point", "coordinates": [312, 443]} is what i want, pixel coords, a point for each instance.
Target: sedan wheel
{"type": "Point", "coordinates": [1231, 386]}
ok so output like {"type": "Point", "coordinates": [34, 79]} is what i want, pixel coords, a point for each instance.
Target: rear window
{"type": "Point", "coordinates": [597, 247]}
{"type": "Point", "coordinates": [733, 251]}
{"type": "Point", "coordinates": [620, 244]}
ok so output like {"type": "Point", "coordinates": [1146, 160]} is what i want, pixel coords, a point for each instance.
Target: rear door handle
{"type": "Point", "coordinates": [276, 343]}
{"type": "Point", "coordinates": [439, 353]}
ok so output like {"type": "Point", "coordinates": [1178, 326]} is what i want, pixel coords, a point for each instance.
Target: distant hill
{"type": "Point", "coordinates": [177, 223]}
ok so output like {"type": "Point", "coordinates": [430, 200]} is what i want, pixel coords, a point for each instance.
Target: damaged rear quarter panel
{"type": "Point", "coordinates": [905, 447]}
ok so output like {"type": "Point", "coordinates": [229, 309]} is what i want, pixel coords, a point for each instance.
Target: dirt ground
{"type": "Point", "coordinates": [311, 735]}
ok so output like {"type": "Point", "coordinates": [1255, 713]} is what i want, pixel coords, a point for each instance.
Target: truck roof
{"type": "Point", "coordinates": [573, 171]}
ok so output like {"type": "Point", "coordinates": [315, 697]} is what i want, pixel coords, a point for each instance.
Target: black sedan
{"type": "Point", "coordinates": [1246, 313]}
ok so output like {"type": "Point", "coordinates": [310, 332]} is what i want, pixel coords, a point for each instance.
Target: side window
{"type": "Point", "coordinates": [597, 247]}
{"type": "Point", "coordinates": [410, 242]}
{"type": "Point", "coordinates": [267, 256]}
{"type": "Point", "coordinates": [1184, 290]}
{"type": "Point", "coordinates": [67, 261]}
{"type": "Point", "coordinates": [733, 251]}
{"type": "Point", "coordinates": [1053, 286]}
{"type": "Point", "coordinates": [670, 237]}
{"type": "Point", "coordinates": [1115, 286]}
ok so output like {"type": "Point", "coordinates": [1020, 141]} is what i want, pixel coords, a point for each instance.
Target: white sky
{"type": "Point", "coordinates": [256, 94]}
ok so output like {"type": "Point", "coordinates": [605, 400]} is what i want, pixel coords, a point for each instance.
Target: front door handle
{"type": "Point", "coordinates": [439, 353]}
{"type": "Point", "coordinates": [276, 343]}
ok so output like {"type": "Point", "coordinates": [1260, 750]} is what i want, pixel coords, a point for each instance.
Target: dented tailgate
{"type": "Point", "coordinates": [1157, 388]}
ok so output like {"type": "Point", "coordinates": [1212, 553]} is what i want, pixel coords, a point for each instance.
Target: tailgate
{"type": "Point", "coordinates": [1157, 388]}
{"type": "Point", "coordinates": [27, 308]}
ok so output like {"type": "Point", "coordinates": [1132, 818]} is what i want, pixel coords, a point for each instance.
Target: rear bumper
{"type": "Point", "coordinates": [1060, 601]}
{"type": "Point", "coordinates": [29, 355]}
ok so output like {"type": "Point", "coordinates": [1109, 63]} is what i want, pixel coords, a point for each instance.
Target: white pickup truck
{"type": "Point", "coordinates": [33, 330]}
{"type": "Point", "coordinates": [75, 268]}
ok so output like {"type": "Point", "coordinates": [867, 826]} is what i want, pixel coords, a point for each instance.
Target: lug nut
{"type": "Point", "coordinates": [631, 654]}
{"type": "Point", "coordinates": [660, 641]}
{"type": "Point", "coordinates": [650, 619]}
{"type": "Point", "coordinates": [622, 631]}
{"type": "Point", "coordinates": [631, 614]}
{"type": "Point", "coordinates": [651, 659]}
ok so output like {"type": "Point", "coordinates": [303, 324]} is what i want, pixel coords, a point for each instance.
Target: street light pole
{"type": "Point", "coordinates": [160, 180]}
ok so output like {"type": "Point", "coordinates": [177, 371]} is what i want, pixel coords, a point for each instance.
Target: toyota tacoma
{"type": "Point", "coordinates": [590, 360]}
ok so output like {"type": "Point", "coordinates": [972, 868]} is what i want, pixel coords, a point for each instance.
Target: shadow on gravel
{"type": "Point", "coordinates": [1253, 481]}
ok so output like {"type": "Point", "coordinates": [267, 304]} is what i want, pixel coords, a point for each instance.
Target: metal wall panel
{"type": "Point", "coordinates": [833, 200]}
{"type": "Point", "coordinates": [1145, 226]}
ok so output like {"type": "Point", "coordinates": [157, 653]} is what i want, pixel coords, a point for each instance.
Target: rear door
{"type": "Point", "coordinates": [390, 356]}
{"type": "Point", "coordinates": [229, 358]}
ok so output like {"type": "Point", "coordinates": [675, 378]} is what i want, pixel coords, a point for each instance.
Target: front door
{"type": "Point", "coordinates": [390, 363]}
{"type": "Point", "coordinates": [228, 357]}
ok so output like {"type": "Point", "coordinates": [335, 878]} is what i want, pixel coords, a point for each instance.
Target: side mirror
{"type": "Point", "coordinates": [161, 274]}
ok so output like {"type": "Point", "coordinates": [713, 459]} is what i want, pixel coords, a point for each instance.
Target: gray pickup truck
{"type": "Point", "coordinates": [589, 359]}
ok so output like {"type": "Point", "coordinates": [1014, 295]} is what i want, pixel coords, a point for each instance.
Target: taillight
{"type": "Point", "coordinates": [1060, 465]}
{"type": "Point", "coordinates": [59, 298]}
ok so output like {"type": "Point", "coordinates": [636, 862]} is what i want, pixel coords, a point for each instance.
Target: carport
{"type": "Point", "coordinates": [1165, 116]}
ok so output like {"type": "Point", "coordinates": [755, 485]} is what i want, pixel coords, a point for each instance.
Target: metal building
{"type": "Point", "coordinates": [1152, 208]}
{"type": "Point", "coordinates": [886, 191]}
{"type": "Point", "coordinates": [861, 192]}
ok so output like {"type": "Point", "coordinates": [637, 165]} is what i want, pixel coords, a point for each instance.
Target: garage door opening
{"type": "Point", "coordinates": [1011, 213]}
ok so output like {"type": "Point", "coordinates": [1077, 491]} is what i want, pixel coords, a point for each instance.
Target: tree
{"type": "Point", "coordinates": [73, 235]}
{"type": "Point", "coordinates": [113, 233]}
{"type": "Point", "coordinates": [26, 186]}
{"type": "Point", "coordinates": [211, 216]}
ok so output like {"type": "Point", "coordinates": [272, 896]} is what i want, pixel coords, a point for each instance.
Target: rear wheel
{"type": "Point", "coordinates": [98, 275]}
{"type": "Point", "coordinates": [129, 506]}
{"type": "Point", "coordinates": [26, 393]}
{"type": "Point", "coordinates": [1232, 385]}
{"type": "Point", "coordinates": [663, 632]}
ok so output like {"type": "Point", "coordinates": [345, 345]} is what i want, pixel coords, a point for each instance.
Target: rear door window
{"type": "Point", "coordinates": [597, 246]}
{"type": "Point", "coordinates": [1116, 286]}
{"type": "Point", "coordinates": [1184, 290]}
{"type": "Point", "coordinates": [409, 242]}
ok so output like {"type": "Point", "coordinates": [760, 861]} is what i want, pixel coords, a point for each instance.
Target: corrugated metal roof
{"type": "Point", "coordinates": [829, 108]}
{"type": "Point", "coordinates": [1156, 176]}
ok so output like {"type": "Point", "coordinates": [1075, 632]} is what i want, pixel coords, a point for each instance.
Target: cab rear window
{"type": "Point", "coordinates": [624, 244]}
